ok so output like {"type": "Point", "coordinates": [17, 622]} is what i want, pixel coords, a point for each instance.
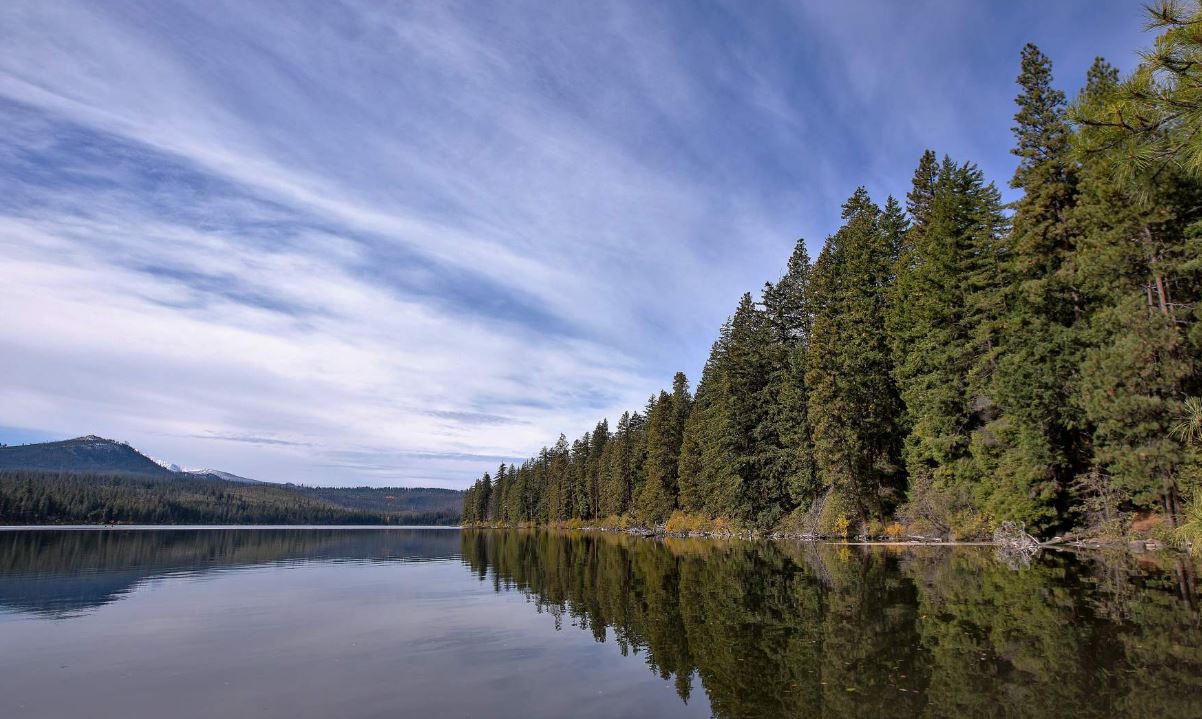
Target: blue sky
{"type": "Point", "coordinates": [397, 243]}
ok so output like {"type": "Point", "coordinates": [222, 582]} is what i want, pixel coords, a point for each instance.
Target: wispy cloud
{"type": "Point", "coordinates": [250, 439]}
{"type": "Point", "coordinates": [474, 417]}
{"type": "Point", "coordinates": [354, 241]}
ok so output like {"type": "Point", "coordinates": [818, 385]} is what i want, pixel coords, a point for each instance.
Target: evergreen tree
{"type": "Point", "coordinates": [707, 454]}
{"type": "Point", "coordinates": [623, 465]}
{"type": "Point", "coordinates": [853, 408]}
{"type": "Point", "coordinates": [749, 493]}
{"type": "Point", "coordinates": [496, 500]}
{"type": "Point", "coordinates": [1043, 439]}
{"type": "Point", "coordinates": [596, 467]}
{"type": "Point", "coordinates": [934, 325]}
{"type": "Point", "coordinates": [1138, 262]}
{"type": "Point", "coordinates": [657, 496]}
{"type": "Point", "coordinates": [788, 462]}
{"type": "Point", "coordinates": [1149, 120]}
{"type": "Point", "coordinates": [483, 498]}
{"type": "Point", "coordinates": [578, 473]}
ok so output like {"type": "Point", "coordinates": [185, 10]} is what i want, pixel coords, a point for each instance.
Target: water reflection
{"type": "Point", "coordinates": [822, 630]}
{"type": "Point", "coordinates": [63, 573]}
{"type": "Point", "coordinates": [358, 623]}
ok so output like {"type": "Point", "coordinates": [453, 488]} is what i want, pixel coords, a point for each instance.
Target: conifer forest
{"type": "Point", "coordinates": [948, 361]}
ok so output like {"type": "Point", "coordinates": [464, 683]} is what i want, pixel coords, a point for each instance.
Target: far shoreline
{"type": "Point", "coordinates": [158, 527]}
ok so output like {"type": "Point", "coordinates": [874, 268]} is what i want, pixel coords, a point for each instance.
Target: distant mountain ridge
{"type": "Point", "coordinates": [90, 459]}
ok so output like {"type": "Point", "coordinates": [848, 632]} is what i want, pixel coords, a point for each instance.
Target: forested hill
{"type": "Point", "coordinates": [82, 454]}
{"type": "Point", "coordinates": [949, 362]}
{"type": "Point", "coordinates": [91, 479]}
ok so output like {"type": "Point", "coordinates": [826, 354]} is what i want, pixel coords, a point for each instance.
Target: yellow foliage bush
{"type": "Point", "coordinates": [681, 522]}
{"type": "Point", "coordinates": [684, 522]}
{"type": "Point", "coordinates": [895, 531]}
{"type": "Point", "coordinates": [842, 524]}
{"type": "Point", "coordinates": [834, 509]}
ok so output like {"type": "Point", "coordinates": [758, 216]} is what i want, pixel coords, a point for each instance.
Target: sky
{"type": "Point", "coordinates": [398, 243]}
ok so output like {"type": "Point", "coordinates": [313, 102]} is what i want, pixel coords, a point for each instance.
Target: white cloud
{"type": "Point", "coordinates": [340, 242]}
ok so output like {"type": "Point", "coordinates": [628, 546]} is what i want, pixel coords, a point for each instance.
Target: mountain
{"type": "Point", "coordinates": [90, 454]}
{"type": "Point", "coordinates": [97, 455]}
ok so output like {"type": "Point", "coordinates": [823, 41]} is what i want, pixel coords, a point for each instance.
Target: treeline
{"type": "Point", "coordinates": [36, 497]}
{"type": "Point", "coordinates": [416, 505]}
{"type": "Point", "coordinates": [949, 361]}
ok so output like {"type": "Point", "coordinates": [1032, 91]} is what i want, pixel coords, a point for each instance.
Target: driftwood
{"type": "Point", "coordinates": [1014, 545]}
{"type": "Point", "coordinates": [1014, 535]}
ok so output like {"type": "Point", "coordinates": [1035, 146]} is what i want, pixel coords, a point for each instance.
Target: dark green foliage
{"type": "Point", "coordinates": [853, 409]}
{"type": "Point", "coordinates": [1151, 119]}
{"type": "Point", "coordinates": [941, 331]}
{"type": "Point", "coordinates": [708, 455]}
{"type": "Point", "coordinates": [1140, 267]}
{"type": "Point", "coordinates": [666, 417]}
{"type": "Point", "coordinates": [789, 455]}
{"type": "Point", "coordinates": [1042, 442]}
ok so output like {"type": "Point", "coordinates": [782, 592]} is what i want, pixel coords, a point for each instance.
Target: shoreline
{"type": "Point", "coordinates": [1133, 545]}
{"type": "Point", "coordinates": [191, 527]}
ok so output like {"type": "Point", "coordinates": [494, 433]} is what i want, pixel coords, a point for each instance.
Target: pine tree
{"type": "Point", "coordinates": [789, 466]}
{"type": "Point", "coordinates": [496, 500]}
{"type": "Point", "coordinates": [598, 443]}
{"type": "Point", "coordinates": [579, 479]}
{"type": "Point", "coordinates": [1138, 262]}
{"type": "Point", "coordinates": [623, 466]}
{"type": "Point", "coordinates": [934, 326]}
{"type": "Point", "coordinates": [1043, 442]}
{"type": "Point", "coordinates": [707, 455]}
{"type": "Point", "coordinates": [749, 494]}
{"type": "Point", "coordinates": [1149, 120]}
{"type": "Point", "coordinates": [853, 408]}
{"type": "Point", "coordinates": [483, 499]}
{"type": "Point", "coordinates": [657, 497]}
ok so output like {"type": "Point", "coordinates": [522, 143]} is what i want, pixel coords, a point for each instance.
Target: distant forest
{"type": "Point", "coordinates": [47, 497]}
{"type": "Point", "coordinates": [949, 361]}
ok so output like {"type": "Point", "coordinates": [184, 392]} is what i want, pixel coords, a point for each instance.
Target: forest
{"type": "Point", "coordinates": [48, 497]}
{"type": "Point", "coordinates": [948, 361]}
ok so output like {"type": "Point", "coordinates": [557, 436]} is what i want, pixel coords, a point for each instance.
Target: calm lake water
{"type": "Point", "coordinates": [443, 623]}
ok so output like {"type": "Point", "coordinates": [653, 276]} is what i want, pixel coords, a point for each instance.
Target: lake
{"type": "Point", "coordinates": [447, 623]}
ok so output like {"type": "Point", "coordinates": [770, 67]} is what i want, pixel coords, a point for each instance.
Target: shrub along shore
{"type": "Point", "coordinates": [680, 525]}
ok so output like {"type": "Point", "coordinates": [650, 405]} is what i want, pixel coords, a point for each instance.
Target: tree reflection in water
{"type": "Point", "coordinates": [783, 629]}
